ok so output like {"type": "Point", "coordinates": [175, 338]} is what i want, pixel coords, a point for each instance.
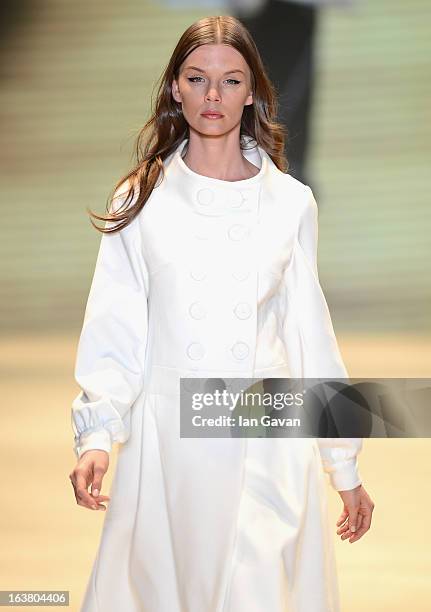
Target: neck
{"type": "Point", "coordinates": [218, 157]}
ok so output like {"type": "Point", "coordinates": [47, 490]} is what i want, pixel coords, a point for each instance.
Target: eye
{"type": "Point", "coordinates": [193, 80]}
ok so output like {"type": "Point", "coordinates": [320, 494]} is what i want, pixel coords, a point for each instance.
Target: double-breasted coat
{"type": "Point", "coordinates": [213, 278]}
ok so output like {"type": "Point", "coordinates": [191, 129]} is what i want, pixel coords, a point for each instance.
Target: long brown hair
{"type": "Point", "coordinates": [167, 127]}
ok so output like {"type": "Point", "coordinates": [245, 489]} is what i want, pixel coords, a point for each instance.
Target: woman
{"type": "Point", "coordinates": [207, 268]}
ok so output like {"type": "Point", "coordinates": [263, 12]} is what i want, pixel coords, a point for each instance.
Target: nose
{"type": "Point", "coordinates": [212, 94]}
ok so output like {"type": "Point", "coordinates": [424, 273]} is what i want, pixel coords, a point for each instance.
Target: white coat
{"type": "Point", "coordinates": [212, 279]}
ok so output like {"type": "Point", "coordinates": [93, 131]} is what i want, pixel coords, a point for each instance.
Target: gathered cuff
{"type": "Point", "coordinates": [345, 476]}
{"type": "Point", "coordinates": [99, 439]}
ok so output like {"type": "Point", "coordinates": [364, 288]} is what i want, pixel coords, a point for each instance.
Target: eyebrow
{"type": "Point", "coordinates": [202, 70]}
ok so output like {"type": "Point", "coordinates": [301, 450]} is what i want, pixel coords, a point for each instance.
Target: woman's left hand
{"type": "Point", "coordinates": [357, 513]}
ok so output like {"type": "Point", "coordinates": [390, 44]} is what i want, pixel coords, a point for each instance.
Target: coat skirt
{"type": "Point", "coordinates": [217, 524]}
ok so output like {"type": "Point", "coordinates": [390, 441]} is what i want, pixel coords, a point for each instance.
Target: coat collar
{"type": "Point", "coordinates": [215, 197]}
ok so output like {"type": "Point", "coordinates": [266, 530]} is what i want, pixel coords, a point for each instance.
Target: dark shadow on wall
{"type": "Point", "coordinates": [13, 14]}
{"type": "Point", "coordinates": [284, 33]}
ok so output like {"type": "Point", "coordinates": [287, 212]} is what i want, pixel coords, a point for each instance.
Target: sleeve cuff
{"type": "Point", "coordinates": [345, 476]}
{"type": "Point", "coordinates": [94, 440]}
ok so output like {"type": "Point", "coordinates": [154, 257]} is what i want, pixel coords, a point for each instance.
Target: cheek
{"type": "Point", "coordinates": [192, 99]}
{"type": "Point", "coordinates": [234, 105]}
{"type": "Point", "coordinates": [236, 99]}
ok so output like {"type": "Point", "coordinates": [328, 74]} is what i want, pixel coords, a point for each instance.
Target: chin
{"type": "Point", "coordinates": [207, 131]}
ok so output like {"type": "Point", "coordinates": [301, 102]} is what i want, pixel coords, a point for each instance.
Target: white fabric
{"type": "Point", "coordinates": [212, 279]}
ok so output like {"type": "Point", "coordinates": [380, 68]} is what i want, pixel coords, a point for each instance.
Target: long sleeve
{"type": "Point", "coordinates": [310, 340]}
{"type": "Point", "coordinates": [112, 345]}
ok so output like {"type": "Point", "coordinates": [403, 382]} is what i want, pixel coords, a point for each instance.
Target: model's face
{"type": "Point", "coordinates": [213, 77]}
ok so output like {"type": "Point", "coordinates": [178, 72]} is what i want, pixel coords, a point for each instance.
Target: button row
{"type": "Point", "coordinates": [206, 197]}
{"type": "Point", "coordinates": [198, 310]}
{"type": "Point", "coordinates": [236, 232]}
{"type": "Point", "coordinates": [239, 350]}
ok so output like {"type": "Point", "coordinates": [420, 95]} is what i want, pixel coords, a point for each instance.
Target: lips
{"type": "Point", "coordinates": [212, 114]}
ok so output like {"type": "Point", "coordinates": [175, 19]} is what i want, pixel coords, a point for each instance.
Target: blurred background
{"type": "Point", "coordinates": [76, 80]}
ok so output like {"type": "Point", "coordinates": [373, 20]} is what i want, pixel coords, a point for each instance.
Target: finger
{"type": "Point", "coordinates": [346, 525]}
{"type": "Point", "coordinates": [360, 532]}
{"type": "Point", "coordinates": [81, 502]}
{"type": "Point", "coordinates": [359, 522]}
{"type": "Point", "coordinates": [73, 482]}
{"type": "Point", "coordinates": [348, 533]}
{"type": "Point", "coordinates": [72, 479]}
{"type": "Point", "coordinates": [343, 517]}
{"type": "Point", "coordinates": [353, 518]}
{"type": "Point", "coordinates": [100, 506]}
{"type": "Point", "coordinates": [96, 485]}
{"type": "Point", "coordinates": [84, 498]}
{"type": "Point", "coordinates": [346, 522]}
{"type": "Point", "coordinates": [98, 501]}
{"type": "Point", "coordinates": [366, 522]}
{"type": "Point", "coordinates": [357, 535]}
{"type": "Point", "coordinates": [343, 529]}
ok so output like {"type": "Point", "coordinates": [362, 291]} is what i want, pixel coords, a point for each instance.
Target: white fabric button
{"type": "Point", "coordinates": [198, 273]}
{"type": "Point", "coordinates": [241, 274]}
{"type": "Point", "coordinates": [197, 310]}
{"type": "Point", "coordinates": [205, 196]}
{"type": "Point", "coordinates": [242, 310]}
{"type": "Point", "coordinates": [238, 231]}
{"type": "Point", "coordinates": [195, 350]}
{"type": "Point", "coordinates": [235, 198]}
{"type": "Point", "coordinates": [240, 350]}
